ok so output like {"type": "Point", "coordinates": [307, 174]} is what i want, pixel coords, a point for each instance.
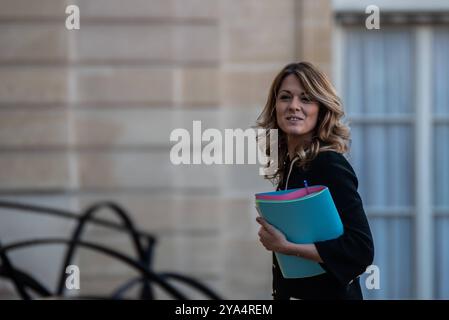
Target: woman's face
{"type": "Point", "coordinates": [296, 114]}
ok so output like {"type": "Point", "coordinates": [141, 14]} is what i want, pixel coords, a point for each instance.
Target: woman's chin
{"type": "Point", "coordinates": [294, 132]}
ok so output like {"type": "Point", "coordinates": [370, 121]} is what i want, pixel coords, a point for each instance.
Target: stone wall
{"type": "Point", "coordinates": [86, 115]}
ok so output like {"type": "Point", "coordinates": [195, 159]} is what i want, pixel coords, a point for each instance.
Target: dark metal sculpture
{"type": "Point", "coordinates": [143, 243]}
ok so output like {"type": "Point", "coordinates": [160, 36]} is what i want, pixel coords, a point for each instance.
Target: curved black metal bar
{"type": "Point", "coordinates": [151, 240]}
{"type": "Point", "coordinates": [192, 282]}
{"type": "Point", "coordinates": [146, 291]}
{"type": "Point", "coordinates": [120, 291]}
{"type": "Point", "coordinates": [27, 281]}
{"type": "Point", "coordinates": [86, 216]}
{"type": "Point", "coordinates": [136, 235]}
{"type": "Point", "coordinates": [68, 215]}
{"type": "Point", "coordinates": [7, 265]}
{"type": "Point", "coordinates": [148, 274]}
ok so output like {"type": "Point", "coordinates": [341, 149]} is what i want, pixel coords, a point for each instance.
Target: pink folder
{"type": "Point", "coordinates": [289, 194]}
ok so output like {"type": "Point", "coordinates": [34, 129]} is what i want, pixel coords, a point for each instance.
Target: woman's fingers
{"type": "Point", "coordinates": [264, 224]}
{"type": "Point", "coordinates": [262, 231]}
{"type": "Point", "coordinates": [263, 235]}
{"type": "Point", "coordinates": [261, 221]}
{"type": "Point", "coordinates": [265, 238]}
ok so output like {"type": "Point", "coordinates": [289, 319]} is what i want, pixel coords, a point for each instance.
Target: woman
{"type": "Point", "coordinates": [304, 107]}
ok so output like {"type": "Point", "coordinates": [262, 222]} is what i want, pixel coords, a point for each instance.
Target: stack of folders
{"type": "Point", "coordinates": [305, 215]}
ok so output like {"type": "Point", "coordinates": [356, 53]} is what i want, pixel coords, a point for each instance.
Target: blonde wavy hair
{"type": "Point", "coordinates": [330, 133]}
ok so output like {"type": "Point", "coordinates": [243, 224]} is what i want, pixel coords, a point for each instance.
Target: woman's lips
{"type": "Point", "coordinates": [294, 120]}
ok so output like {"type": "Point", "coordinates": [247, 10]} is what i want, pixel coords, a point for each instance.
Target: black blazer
{"type": "Point", "coordinates": [344, 258]}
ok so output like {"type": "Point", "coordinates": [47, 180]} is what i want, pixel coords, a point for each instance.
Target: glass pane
{"type": "Point", "coordinates": [441, 71]}
{"type": "Point", "coordinates": [441, 166]}
{"type": "Point", "coordinates": [442, 253]}
{"type": "Point", "coordinates": [378, 71]}
{"type": "Point", "coordinates": [378, 81]}
{"type": "Point", "coordinates": [394, 258]}
{"type": "Point", "coordinates": [383, 158]}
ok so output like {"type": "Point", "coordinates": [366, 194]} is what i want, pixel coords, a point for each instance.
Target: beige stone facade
{"type": "Point", "coordinates": [86, 115]}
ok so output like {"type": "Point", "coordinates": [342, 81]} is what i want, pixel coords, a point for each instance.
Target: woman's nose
{"type": "Point", "coordinates": [295, 104]}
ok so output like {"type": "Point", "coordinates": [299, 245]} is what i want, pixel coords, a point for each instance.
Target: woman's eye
{"type": "Point", "coordinates": [306, 99]}
{"type": "Point", "coordinates": [285, 97]}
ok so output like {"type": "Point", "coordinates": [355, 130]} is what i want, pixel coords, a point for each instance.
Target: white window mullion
{"type": "Point", "coordinates": [423, 157]}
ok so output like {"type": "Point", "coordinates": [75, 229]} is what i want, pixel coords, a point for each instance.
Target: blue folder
{"type": "Point", "coordinates": [305, 220]}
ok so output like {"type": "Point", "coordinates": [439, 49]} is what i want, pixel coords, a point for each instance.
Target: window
{"type": "Point", "coordinates": [394, 83]}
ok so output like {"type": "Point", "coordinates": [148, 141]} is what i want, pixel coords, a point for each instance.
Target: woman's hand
{"type": "Point", "coordinates": [274, 240]}
{"type": "Point", "coordinates": [271, 238]}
